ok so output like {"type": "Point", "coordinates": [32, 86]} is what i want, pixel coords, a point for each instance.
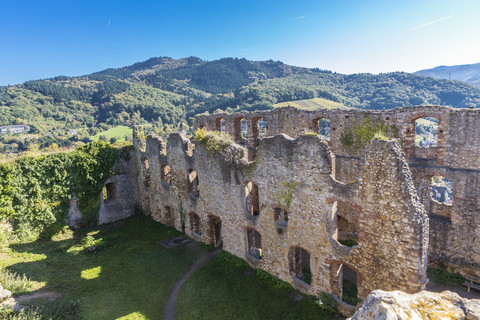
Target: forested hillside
{"type": "Point", "coordinates": [168, 92]}
{"type": "Point", "coordinates": [465, 72]}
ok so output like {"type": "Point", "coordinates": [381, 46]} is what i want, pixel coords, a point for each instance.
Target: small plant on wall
{"type": "Point", "coordinates": [360, 134]}
{"type": "Point", "coordinates": [285, 195]}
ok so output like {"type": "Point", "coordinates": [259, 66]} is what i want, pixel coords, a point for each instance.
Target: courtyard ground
{"type": "Point", "coordinates": [120, 271]}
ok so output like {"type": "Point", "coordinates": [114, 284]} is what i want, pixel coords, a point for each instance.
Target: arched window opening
{"type": "Point", "coordinates": [165, 174]}
{"type": "Point", "coordinates": [299, 259]}
{"type": "Point", "coordinates": [426, 132]}
{"type": "Point", "coordinates": [220, 125]}
{"type": "Point", "coordinates": [195, 223]}
{"type": "Point", "coordinates": [281, 217]}
{"type": "Point", "coordinates": [109, 192]}
{"type": "Point", "coordinates": [322, 127]}
{"type": "Point", "coordinates": [349, 286]}
{"type": "Point", "coordinates": [442, 190]}
{"type": "Point", "coordinates": [240, 130]}
{"type": "Point", "coordinates": [215, 231]}
{"type": "Point", "coordinates": [244, 127]}
{"type": "Point", "coordinates": [252, 199]}
{"type": "Point", "coordinates": [193, 187]}
{"type": "Point", "coordinates": [254, 243]}
{"type": "Point", "coordinates": [262, 128]}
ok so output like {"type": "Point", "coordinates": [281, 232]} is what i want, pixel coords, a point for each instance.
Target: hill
{"type": "Point", "coordinates": [467, 72]}
{"type": "Point", "coordinates": [312, 104]}
{"type": "Point", "coordinates": [168, 92]}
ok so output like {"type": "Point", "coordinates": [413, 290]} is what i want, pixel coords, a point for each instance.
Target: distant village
{"type": "Point", "coordinates": [20, 128]}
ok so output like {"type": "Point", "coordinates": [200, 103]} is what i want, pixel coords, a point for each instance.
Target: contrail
{"type": "Point", "coordinates": [428, 23]}
{"type": "Point", "coordinates": [109, 21]}
{"type": "Point", "coordinates": [297, 18]}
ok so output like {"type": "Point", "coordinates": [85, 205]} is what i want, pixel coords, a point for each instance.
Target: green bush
{"type": "Point", "coordinates": [364, 131]}
{"type": "Point", "coordinates": [444, 276]}
{"type": "Point", "coordinates": [214, 141]}
{"type": "Point", "coordinates": [59, 309]}
{"type": "Point", "coordinates": [326, 303]}
{"type": "Point", "coordinates": [14, 282]}
{"type": "Point", "coordinates": [90, 244]}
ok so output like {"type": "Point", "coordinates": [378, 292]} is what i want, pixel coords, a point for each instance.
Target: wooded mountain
{"type": "Point", "coordinates": [466, 72]}
{"type": "Point", "coordinates": [165, 91]}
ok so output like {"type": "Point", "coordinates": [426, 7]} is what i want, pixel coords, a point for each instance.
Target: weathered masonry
{"type": "Point", "coordinates": [452, 155]}
{"type": "Point", "coordinates": [315, 213]}
{"type": "Point", "coordinates": [309, 209]}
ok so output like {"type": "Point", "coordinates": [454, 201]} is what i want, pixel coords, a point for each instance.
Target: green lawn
{"type": "Point", "coordinates": [118, 132]}
{"type": "Point", "coordinates": [312, 104]}
{"type": "Point", "coordinates": [131, 274]}
{"type": "Point", "coordinates": [129, 277]}
{"type": "Point", "coordinates": [227, 288]}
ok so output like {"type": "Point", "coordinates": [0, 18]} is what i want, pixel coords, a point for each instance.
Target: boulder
{"type": "Point", "coordinates": [397, 305]}
{"type": "Point", "coordinates": [4, 294]}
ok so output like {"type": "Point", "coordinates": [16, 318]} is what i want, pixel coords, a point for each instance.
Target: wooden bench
{"type": "Point", "coordinates": [472, 282]}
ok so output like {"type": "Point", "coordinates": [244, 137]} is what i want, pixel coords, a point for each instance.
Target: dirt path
{"type": "Point", "coordinates": [27, 298]}
{"type": "Point", "coordinates": [203, 258]}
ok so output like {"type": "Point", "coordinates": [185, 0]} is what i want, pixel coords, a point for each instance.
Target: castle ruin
{"type": "Point", "coordinates": [312, 211]}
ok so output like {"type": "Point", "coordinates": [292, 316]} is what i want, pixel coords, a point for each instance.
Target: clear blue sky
{"type": "Point", "coordinates": [46, 38]}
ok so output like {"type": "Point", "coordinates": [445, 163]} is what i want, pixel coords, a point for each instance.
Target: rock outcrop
{"type": "Point", "coordinates": [4, 294]}
{"type": "Point", "coordinates": [6, 300]}
{"type": "Point", "coordinates": [397, 305]}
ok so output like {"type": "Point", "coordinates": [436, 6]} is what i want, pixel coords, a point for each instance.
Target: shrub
{"type": "Point", "coordinates": [360, 134]}
{"type": "Point", "coordinates": [90, 244]}
{"type": "Point", "coordinates": [326, 303]}
{"type": "Point", "coordinates": [14, 282]}
{"type": "Point", "coordinates": [59, 309]}
{"type": "Point", "coordinates": [444, 276]}
{"type": "Point", "coordinates": [214, 141]}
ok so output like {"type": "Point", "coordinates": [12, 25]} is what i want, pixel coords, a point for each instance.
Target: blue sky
{"type": "Point", "coordinates": [46, 38]}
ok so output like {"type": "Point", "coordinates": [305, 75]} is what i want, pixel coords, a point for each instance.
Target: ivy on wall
{"type": "Point", "coordinates": [35, 192]}
{"type": "Point", "coordinates": [285, 195]}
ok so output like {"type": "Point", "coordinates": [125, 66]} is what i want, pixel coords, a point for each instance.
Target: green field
{"type": "Point", "coordinates": [130, 275]}
{"type": "Point", "coordinates": [312, 104]}
{"type": "Point", "coordinates": [118, 132]}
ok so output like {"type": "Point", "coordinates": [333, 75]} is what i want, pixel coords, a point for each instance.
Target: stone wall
{"type": "Point", "coordinates": [120, 191]}
{"type": "Point", "coordinates": [455, 229]}
{"type": "Point", "coordinates": [303, 211]}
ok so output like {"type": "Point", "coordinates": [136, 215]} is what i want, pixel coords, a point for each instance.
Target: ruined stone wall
{"type": "Point", "coordinates": [455, 229]}
{"type": "Point", "coordinates": [294, 230]}
{"type": "Point", "coordinates": [120, 193]}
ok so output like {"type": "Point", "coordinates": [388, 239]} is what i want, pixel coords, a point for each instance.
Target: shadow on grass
{"type": "Point", "coordinates": [131, 273]}
{"type": "Point", "coordinates": [228, 288]}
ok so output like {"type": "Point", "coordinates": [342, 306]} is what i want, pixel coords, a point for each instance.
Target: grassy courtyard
{"type": "Point", "coordinates": [120, 271]}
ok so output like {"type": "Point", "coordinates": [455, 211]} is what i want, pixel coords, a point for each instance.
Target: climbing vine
{"type": "Point", "coordinates": [35, 192]}
{"type": "Point", "coordinates": [285, 196]}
